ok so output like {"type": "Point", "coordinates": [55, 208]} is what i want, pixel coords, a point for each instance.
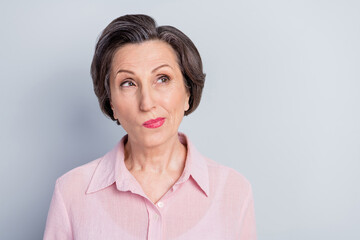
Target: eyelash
{"type": "Point", "coordinates": [164, 76]}
{"type": "Point", "coordinates": [167, 79]}
{"type": "Point", "coordinates": [129, 82]}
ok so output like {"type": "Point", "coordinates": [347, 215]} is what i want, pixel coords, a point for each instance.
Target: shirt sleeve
{"type": "Point", "coordinates": [58, 224]}
{"type": "Point", "coordinates": [248, 226]}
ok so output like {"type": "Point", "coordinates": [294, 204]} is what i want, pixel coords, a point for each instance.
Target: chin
{"type": "Point", "coordinates": [151, 138]}
{"type": "Point", "coordinates": [154, 138]}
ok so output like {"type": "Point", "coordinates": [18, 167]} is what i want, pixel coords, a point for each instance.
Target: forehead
{"type": "Point", "coordinates": [148, 53]}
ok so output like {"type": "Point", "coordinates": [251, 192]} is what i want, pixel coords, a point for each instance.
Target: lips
{"type": "Point", "coordinates": [154, 123]}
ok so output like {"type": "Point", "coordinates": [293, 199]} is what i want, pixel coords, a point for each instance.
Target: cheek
{"type": "Point", "coordinates": [122, 109]}
{"type": "Point", "coordinates": [175, 102]}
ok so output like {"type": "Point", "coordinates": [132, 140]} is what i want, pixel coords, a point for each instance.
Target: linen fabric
{"type": "Point", "coordinates": [103, 200]}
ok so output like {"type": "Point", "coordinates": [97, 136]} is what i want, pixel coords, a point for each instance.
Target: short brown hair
{"type": "Point", "coordinates": [136, 29]}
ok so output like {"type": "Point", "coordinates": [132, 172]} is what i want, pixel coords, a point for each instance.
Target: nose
{"type": "Point", "coordinates": [147, 102]}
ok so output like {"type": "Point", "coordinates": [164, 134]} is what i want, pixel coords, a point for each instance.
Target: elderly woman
{"type": "Point", "coordinates": [154, 184]}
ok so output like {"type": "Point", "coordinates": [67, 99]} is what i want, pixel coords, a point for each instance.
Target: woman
{"type": "Point", "coordinates": [153, 184]}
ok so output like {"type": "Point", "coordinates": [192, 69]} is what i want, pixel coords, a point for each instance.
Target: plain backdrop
{"type": "Point", "coordinates": [281, 105]}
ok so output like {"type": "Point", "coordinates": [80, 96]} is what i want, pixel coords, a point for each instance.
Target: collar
{"type": "Point", "coordinates": [111, 169]}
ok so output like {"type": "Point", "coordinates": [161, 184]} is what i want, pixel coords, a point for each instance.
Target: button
{"type": "Point", "coordinates": [155, 217]}
{"type": "Point", "coordinates": [160, 204]}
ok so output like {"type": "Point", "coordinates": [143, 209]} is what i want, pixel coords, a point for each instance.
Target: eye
{"type": "Point", "coordinates": [127, 84]}
{"type": "Point", "coordinates": [163, 79]}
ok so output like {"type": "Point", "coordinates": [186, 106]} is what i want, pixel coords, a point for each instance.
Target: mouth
{"type": "Point", "coordinates": [154, 123]}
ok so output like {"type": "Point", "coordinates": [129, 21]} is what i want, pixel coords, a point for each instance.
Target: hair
{"type": "Point", "coordinates": [137, 29]}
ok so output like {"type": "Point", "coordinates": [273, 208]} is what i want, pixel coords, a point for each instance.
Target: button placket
{"type": "Point", "coordinates": [160, 204]}
{"type": "Point", "coordinates": [155, 223]}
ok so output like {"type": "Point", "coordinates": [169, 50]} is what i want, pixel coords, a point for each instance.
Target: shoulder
{"type": "Point", "coordinates": [225, 171]}
{"type": "Point", "coordinates": [229, 179]}
{"type": "Point", "coordinates": [77, 179]}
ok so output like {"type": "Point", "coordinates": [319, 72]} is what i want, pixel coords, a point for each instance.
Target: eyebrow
{"type": "Point", "coordinates": [131, 72]}
{"type": "Point", "coordinates": [163, 65]}
{"type": "Point", "coordinates": [124, 70]}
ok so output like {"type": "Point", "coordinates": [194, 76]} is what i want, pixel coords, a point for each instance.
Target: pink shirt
{"type": "Point", "coordinates": [102, 200]}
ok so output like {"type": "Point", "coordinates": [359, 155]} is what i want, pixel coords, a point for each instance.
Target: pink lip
{"type": "Point", "coordinates": [154, 123]}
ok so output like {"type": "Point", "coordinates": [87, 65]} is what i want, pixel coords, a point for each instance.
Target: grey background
{"type": "Point", "coordinates": [280, 105]}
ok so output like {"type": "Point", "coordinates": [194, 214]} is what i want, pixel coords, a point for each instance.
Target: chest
{"type": "Point", "coordinates": [123, 216]}
{"type": "Point", "coordinates": [156, 185]}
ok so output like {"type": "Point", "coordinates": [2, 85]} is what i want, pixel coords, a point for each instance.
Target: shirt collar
{"type": "Point", "coordinates": [111, 169]}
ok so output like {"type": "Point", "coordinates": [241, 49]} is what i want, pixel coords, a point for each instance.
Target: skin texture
{"type": "Point", "coordinates": [146, 83]}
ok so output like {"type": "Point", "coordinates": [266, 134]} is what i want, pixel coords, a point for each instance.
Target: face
{"type": "Point", "coordinates": [148, 95]}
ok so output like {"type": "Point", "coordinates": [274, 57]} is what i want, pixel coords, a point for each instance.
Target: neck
{"type": "Point", "coordinates": [169, 156]}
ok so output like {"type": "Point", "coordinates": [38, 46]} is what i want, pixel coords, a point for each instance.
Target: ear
{"type": "Point", "coordinates": [186, 103]}
{"type": "Point", "coordinates": [112, 108]}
